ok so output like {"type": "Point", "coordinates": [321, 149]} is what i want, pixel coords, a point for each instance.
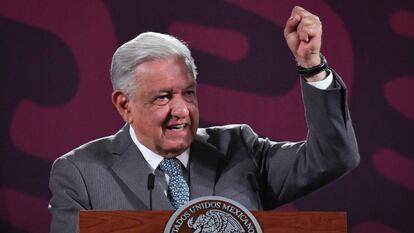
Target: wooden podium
{"type": "Point", "coordinates": [155, 221]}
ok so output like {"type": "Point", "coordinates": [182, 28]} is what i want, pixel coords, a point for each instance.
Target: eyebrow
{"type": "Point", "coordinates": [193, 85]}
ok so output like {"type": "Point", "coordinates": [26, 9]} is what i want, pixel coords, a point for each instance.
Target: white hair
{"type": "Point", "coordinates": [146, 46]}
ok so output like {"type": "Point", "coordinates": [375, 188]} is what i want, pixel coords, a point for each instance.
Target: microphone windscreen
{"type": "Point", "coordinates": [151, 181]}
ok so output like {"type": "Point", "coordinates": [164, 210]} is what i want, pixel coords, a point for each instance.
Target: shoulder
{"type": "Point", "coordinates": [101, 150]}
{"type": "Point", "coordinates": [224, 130]}
{"type": "Point", "coordinates": [90, 149]}
{"type": "Point", "coordinates": [227, 135]}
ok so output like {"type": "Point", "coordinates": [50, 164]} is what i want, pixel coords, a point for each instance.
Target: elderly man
{"type": "Point", "coordinates": [154, 81]}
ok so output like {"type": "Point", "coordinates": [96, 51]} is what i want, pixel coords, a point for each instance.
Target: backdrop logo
{"type": "Point", "coordinates": [212, 214]}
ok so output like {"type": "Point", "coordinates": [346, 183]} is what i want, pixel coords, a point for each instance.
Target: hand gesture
{"type": "Point", "coordinates": [303, 34]}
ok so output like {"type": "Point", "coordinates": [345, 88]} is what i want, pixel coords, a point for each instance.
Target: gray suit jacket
{"type": "Point", "coordinates": [111, 173]}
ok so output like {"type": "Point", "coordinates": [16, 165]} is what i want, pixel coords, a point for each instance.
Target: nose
{"type": "Point", "coordinates": [179, 108]}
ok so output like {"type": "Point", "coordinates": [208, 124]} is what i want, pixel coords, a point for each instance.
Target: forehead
{"type": "Point", "coordinates": [164, 73]}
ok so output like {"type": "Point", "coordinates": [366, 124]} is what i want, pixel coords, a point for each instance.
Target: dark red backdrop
{"type": "Point", "coordinates": [55, 91]}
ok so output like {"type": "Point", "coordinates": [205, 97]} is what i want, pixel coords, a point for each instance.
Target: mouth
{"type": "Point", "coordinates": [176, 127]}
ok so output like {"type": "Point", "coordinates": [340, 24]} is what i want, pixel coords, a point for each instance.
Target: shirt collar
{"type": "Point", "coordinates": [154, 159]}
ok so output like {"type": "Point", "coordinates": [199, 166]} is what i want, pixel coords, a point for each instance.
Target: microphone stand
{"type": "Point", "coordinates": [150, 186]}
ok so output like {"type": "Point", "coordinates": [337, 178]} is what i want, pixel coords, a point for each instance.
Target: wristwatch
{"type": "Point", "coordinates": [308, 72]}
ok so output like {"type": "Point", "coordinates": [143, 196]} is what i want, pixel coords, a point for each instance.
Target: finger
{"type": "Point", "coordinates": [308, 32]}
{"type": "Point", "coordinates": [297, 10]}
{"type": "Point", "coordinates": [309, 27]}
{"type": "Point", "coordinates": [305, 15]}
{"type": "Point", "coordinates": [310, 19]}
{"type": "Point", "coordinates": [303, 36]}
{"type": "Point", "coordinates": [297, 16]}
{"type": "Point", "coordinates": [291, 25]}
{"type": "Point", "coordinates": [311, 30]}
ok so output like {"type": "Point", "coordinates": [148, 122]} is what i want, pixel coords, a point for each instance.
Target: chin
{"type": "Point", "coordinates": [176, 149]}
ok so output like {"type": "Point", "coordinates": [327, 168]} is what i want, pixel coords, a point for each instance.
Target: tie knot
{"type": "Point", "coordinates": [172, 167]}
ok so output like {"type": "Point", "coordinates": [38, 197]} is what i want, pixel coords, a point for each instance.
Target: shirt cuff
{"type": "Point", "coordinates": [323, 84]}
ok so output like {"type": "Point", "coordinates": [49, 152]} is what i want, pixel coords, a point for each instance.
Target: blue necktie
{"type": "Point", "coordinates": [178, 191]}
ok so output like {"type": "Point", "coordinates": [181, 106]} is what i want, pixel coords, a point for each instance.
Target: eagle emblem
{"type": "Point", "coordinates": [215, 221]}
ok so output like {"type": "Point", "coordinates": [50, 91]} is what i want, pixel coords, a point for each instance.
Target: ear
{"type": "Point", "coordinates": [123, 104]}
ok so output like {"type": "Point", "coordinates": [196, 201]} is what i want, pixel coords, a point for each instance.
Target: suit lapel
{"type": "Point", "coordinates": [204, 162]}
{"type": "Point", "coordinates": [133, 170]}
{"type": "Point", "coordinates": [159, 198]}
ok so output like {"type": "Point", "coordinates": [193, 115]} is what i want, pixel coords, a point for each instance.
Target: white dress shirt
{"type": "Point", "coordinates": [154, 159]}
{"type": "Point", "coordinates": [324, 83]}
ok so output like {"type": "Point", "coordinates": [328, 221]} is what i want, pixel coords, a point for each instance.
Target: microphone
{"type": "Point", "coordinates": [150, 186]}
{"type": "Point", "coordinates": [256, 188]}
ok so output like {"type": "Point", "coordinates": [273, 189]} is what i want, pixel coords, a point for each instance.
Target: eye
{"type": "Point", "coordinates": [162, 99]}
{"type": "Point", "coordinates": [189, 93]}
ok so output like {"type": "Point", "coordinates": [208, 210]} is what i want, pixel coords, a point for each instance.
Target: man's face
{"type": "Point", "coordinates": [164, 113]}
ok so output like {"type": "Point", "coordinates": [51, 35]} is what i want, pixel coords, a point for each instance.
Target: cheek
{"type": "Point", "coordinates": [151, 118]}
{"type": "Point", "coordinates": [158, 118]}
{"type": "Point", "coordinates": [194, 116]}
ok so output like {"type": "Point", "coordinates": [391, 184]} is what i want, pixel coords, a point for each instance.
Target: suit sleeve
{"type": "Point", "coordinates": [290, 170]}
{"type": "Point", "coordinates": [69, 195]}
